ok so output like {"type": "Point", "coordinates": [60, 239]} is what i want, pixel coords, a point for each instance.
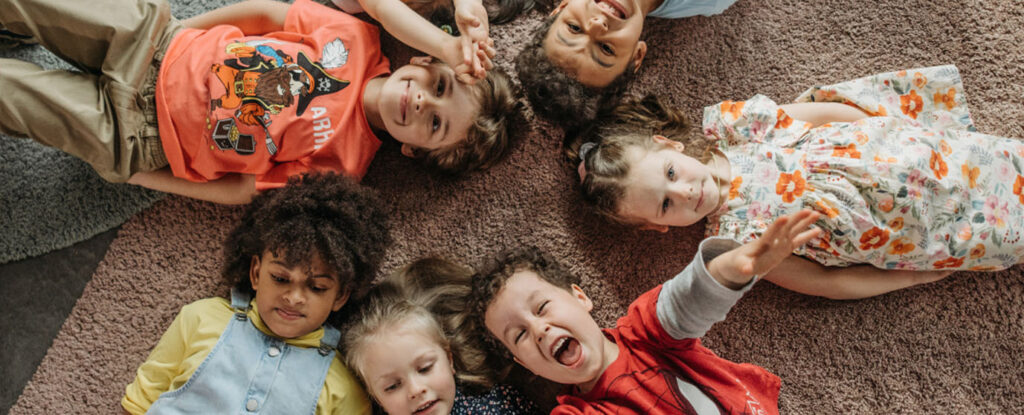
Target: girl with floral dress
{"type": "Point", "coordinates": [893, 163]}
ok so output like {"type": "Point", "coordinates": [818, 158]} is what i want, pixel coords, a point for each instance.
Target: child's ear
{"type": "Point", "coordinates": [638, 54]}
{"type": "Point", "coordinates": [421, 60]}
{"type": "Point", "coordinates": [254, 271]}
{"type": "Point", "coordinates": [658, 228]}
{"type": "Point", "coordinates": [341, 300]}
{"type": "Point", "coordinates": [408, 151]}
{"type": "Point", "coordinates": [582, 297]}
{"type": "Point", "coordinates": [660, 139]}
{"type": "Point", "coordinates": [559, 7]}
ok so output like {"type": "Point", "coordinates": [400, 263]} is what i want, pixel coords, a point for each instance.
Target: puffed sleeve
{"type": "Point", "coordinates": [758, 120]}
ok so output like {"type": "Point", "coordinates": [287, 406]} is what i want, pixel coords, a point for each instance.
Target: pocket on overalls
{"type": "Point", "coordinates": [126, 103]}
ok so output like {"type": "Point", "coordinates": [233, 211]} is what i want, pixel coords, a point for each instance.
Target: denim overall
{"type": "Point", "coordinates": [249, 372]}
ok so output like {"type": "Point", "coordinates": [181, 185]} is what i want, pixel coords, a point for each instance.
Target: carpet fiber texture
{"type": "Point", "coordinates": [952, 346]}
{"type": "Point", "coordinates": [50, 200]}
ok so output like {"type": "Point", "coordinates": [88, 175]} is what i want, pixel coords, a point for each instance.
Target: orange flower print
{"type": "Point", "coordinates": [826, 208]}
{"type": "Point", "coordinates": [896, 224]}
{"type": "Point", "coordinates": [965, 233]}
{"type": "Point", "coordinates": [920, 80]}
{"type": "Point", "coordinates": [861, 138]}
{"type": "Point", "coordinates": [945, 148]}
{"type": "Point", "coordinates": [901, 73]}
{"type": "Point", "coordinates": [733, 108]}
{"type": "Point", "coordinates": [971, 174]}
{"type": "Point", "coordinates": [911, 104]}
{"type": "Point", "coordinates": [790, 193]}
{"type": "Point", "coordinates": [984, 268]}
{"type": "Point", "coordinates": [734, 189]}
{"type": "Point", "coordinates": [881, 111]}
{"type": "Point", "coordinates": [938, 165]}
{"type": "Point", "coordinates": [784, 120]}
{"type": "Point", "coordinates": [950, 262]}
{"type": "Point", "coordinates": [874, 238]}
{"type": "Point", "coordinates": [849, 151]}
{"type": "Point", "coordinates": [978, 251]}
{"type": "Point", "coordinates": [1018, 188]}
{"type": "Point", "coordinates": [886, 203]}
{"type": "Point", "coordinates": [948, 98]}
{"type": "Point", "coordinates": [900, 246]}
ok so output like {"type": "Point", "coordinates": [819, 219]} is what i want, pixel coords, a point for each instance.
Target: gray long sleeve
{"type": "Point", "coordinates": [692, 301]}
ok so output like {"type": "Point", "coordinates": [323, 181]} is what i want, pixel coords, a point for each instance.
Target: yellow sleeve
{"type": "Point", "coordinates": [181, 349]}
{"type": "Point", "coordinates": [342, 393]}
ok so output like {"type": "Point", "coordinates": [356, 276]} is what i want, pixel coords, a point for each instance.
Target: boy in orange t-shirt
{"type": "Point", "coordinates": [237, 100]}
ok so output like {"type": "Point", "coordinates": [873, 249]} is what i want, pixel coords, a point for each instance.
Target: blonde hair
{"type": "Point", "coordinates": [430, 293]}
{"type": "Point", "coordinates": [632, 123]}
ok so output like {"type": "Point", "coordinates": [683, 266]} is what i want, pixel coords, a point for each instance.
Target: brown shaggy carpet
{"type": "Point", "coordinates": [950, 347]}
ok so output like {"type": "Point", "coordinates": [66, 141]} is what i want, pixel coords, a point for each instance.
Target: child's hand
{"type": "Point", "coordinates": [469, 61]}
{"type": "Point", "coordinates": [736, 267]}
{"type": "Point", "coordinates": [471, 19]}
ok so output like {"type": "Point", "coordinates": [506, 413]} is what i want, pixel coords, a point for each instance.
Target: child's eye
{"type": "Point", "coordinates": [574, 28]}
{"type": "Point", "coordinates": [606, 49]}
{"type": "Point", "coordinates": [441, 84]}
{"type": "Point", "coordinates": [671, 173]}
{"type": "Point", "coordinates": [435, 124]}
{"type": "Point", "coordinates": [519, 336]}
{"type": "Point", "coordinates": [541, 308]}
{"type": "Point", "coordinates": [391, 387]}
{"type": "Point", "coordinates": [426, 369]}
{"type": "Point", "coordinates": [665, 204]}
{"type": "Point", "coordinates": [278, 279]}
{"type": "Point", "coordinates": [318, 289]}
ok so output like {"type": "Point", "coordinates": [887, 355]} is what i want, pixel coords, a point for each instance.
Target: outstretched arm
{"type": "Point", "coordinates": [845, 283]}
{"type": "Point", "coordinates": [232, 189]}
{"type": "Point", "coordinates": [254, 17]}
{"type": "Point", "coordinates": [818, 113]}
{"type": "Point", "coordinates": [469, 59]}
{"type": "Point", "coordinates": [736, 268]}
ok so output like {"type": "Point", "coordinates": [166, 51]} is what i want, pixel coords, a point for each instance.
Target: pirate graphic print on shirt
{"type": "Point", "coordinates": [260, 81]}
{"type": "Point", "coordinates": [274, 105]}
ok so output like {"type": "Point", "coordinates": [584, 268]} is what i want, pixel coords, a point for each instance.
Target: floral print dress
{"type": "Point", "coordinates": [911, 187]}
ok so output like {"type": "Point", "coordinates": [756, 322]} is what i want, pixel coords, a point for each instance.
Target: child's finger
{"type": "Point", "coordinates": [805, 219]}
{"type": "Point", "coordinates": [805, 236]}
{"type": "Point", "coordinates": [467, 50]}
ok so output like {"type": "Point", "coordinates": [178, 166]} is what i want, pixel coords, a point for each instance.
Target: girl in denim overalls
{"type": "Point", "coordinates": [295, 259]}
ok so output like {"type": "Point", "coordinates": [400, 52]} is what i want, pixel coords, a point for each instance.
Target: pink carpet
{"type": "Point", "coordinates": [950, 347]}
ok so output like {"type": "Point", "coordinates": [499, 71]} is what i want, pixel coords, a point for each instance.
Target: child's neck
{"type": "Point", "coordinates": [371, 103]}
{"type": "Point", "coordinates": [610, 353]}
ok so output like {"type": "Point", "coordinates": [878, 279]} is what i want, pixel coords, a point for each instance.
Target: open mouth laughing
{"type": "Point", "coordinates": [567, 351]}
{"type": "Point", "coordinates": [612, 8]}
{"type": "Point", "coordinates": [422, 409]}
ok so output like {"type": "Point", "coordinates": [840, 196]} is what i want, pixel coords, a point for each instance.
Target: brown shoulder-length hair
{"type": "Point", "coordinates": [624, 126]}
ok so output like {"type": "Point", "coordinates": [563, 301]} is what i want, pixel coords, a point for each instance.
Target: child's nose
{"type": "Point", "coordinates": [598, 23]}
{"type": "Point", "coordinates": [416, 388]}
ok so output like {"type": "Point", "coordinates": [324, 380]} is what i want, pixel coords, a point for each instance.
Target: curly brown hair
{"type": "Point", "coordinates": [629, 124]}
{"type": "Point", "coordinates": [489, 138]}
{"type": "Point", "coordinates": [325, 214]}
{"type": "Point", "coordinates": [491, 278]}
{"type": "Point", "coordinates": [555, 94]}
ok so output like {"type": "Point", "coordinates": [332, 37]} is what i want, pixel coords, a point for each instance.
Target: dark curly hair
{"type": "Point", "coordinates": [491, 278]}
{"type": "Point", "coordinates": [555, 94]}
{"type": "Point", "coordinates": [323, 214]}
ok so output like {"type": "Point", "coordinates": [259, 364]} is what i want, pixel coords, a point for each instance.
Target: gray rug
{"type": "Point", "coordinates": [50, 200]}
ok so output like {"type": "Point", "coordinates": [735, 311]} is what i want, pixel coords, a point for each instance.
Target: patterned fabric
{"type": "Point", "coordinates": [500, 400]}
{"type": "Point", "coordinates": [912, 187]}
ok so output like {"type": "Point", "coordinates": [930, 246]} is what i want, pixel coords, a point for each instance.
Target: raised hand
{"type": "Point", "coordinates": [736, 267]}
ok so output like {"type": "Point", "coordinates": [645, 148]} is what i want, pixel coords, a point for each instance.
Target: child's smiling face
{"type": "Point", "coordinates": [407, 371]}
{"type": "Point", "coordinates": [422, 105]}
{"type": "Point", "coordinates": [666, 187]}
{"type": "Point", "coordinates": [294, 300]}
{"type": "Point", "coordinates": [549, 330]}
{"type": "Point", "coordinates": [595, 40]}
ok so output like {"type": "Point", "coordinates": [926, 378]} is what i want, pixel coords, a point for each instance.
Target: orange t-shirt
{"type": "Point", "coordinates": [273, 105]}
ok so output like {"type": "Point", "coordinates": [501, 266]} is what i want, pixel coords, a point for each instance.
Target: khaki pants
{"type": "Point", "coordinates": [105, 114]}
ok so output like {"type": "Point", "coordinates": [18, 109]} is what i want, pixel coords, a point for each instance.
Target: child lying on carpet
{"type": "Point", "coordinates": [404, 344]}
{"type": "Point", "coordinates": [894, 164]}
{"type": "Point", "coordinates": [652, 362]}
{"type": "Point", "coordinates": [299, 253]}
{"type": "Point", "coordinates": [587, 51]}
{"type": "Point", "coordinates": [238, 99]}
